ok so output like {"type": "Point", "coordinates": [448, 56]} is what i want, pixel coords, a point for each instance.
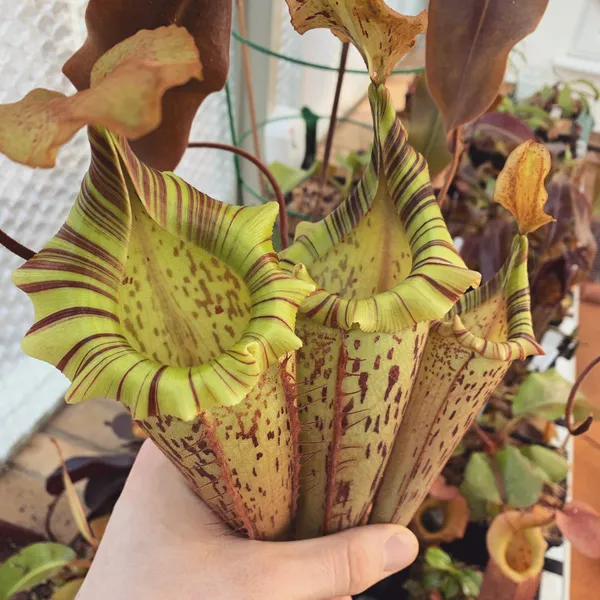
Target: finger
{"type": "Point", "coordinates": [167, 498]}
{"type": "Point", "coordinates": [339, 565]}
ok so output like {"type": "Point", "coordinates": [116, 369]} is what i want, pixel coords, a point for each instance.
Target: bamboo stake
{"type": "Point", "coordinates": [241, 15]}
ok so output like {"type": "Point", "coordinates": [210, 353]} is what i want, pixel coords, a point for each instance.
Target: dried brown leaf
{"type": "Point", "coordinates": [520, 185]}
{"type": "Point", "coordinates": [580, 524]}
{"type": "Point", "coordinates": [468, 43]}
{"type": "Point", "coordinates": [75, 503]}
{"type": "Point", "coordinates": [380, 34]}
{"type": "Point", "coordinates": [109, 22]}
{"type": "Point", "coordinates": [128, 83]}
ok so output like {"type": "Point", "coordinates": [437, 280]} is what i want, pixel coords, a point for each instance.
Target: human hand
{"type": "Point", "coordinates": [162, 544]}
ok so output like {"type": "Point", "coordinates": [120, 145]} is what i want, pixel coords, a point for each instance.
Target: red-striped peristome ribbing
{"type": "Point", "coordinates": [353, 389]}
{"type": "Point", "coordinates": [191, 286]}
{"type": "Point", "coordinates": [386, 246]}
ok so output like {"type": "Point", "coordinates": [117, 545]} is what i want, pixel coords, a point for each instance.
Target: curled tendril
{"type": "Point", "coordinates": [283, 224]}
{"type": "Point", "coordinates": [15, 247]}
{"type": "Point", "coordinates": [583, 427]}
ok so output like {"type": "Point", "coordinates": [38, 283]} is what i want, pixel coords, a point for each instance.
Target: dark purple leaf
{"type": "Point", "coordinates": [503, 126]}
{"type": "Point", "coordinates": [82, 467]}
{"type": "Point", "coordinates": [101, 493]}
{"type": "Point", "coordinates": [494, 247]}
{"type": "Point", "coordinates": [14, 538]}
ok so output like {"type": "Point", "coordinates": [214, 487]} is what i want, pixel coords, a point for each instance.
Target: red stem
{"type": "Point", "coordinates": [333, 118]}
{"type": "Point", "coordinates": [485, 438]}
{"type": "Point", "coordinates": [14, 246]}
{"type": "Point", "coordinates": [457, 138]}
{"type": "Point", "coordinates": [583, 427]}
{"type": "Point", "coordinates": [283, 224]}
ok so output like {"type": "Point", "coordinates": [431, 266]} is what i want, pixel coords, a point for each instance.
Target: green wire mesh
{"type": "Point", "coordinates": [248, 188]}
{"type": "Point", "coordinates": [313, 65]}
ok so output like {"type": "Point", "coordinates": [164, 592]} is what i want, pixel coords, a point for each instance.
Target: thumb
{"type": "Point", "coordinates": [341, 564]}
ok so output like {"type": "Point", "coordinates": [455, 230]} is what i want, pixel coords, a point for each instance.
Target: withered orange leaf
{"type": "Point", "coordinates": [128, 83]}
{"type": "Point", "coordinates": [380, 34]}
{"type": "Point", "coordinates": [580, 524]}
{"type": "Point", "coordinates": [468, 43]}
{"type": "Point", "coordinates": [109, 22]}
{"type": "Point", "coordinates": [520, 185]}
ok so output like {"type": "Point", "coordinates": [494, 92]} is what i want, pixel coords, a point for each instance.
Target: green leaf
{"type": "Point", "coordinates": [546, 394]}
{"type": "Point", "coordinates": [479, 509]}
{"type": "Point", "coordinates": [33, 565]}
{"type": "Point", "coordinates": [551, 462]}
{"type": "Point", "coordinates": [289, 177]}
{"type": "Point", "coordinates": [69, 590]}
{"type": "Point", "coordinates": [426, 132]}
{"type": "Point", "coordinates": [565, 100]}
{"type": "Point", "coordinates": [479, 479]}
{"type": "Point", "coordinates": [530, 110]}
{"type": "Point", "coordinates": [460, 449]}
{"type": "Point", "coordinates": [537, 123]}
{"type": "Point", "coordinates": [438, 559]}
{"type": "Point", "coordinates": [523, 482]}
{"type": "Point", "coordinates": [592, 88]}
{"type": "Point", "coordinates": [415, 590]}
{"type": "Point", "coordinates": [354, 161]}
{"type": "Point", "coordinates": [432, 580]}
{"type": "Point", "coordinates": [546, 93]}
{"type": "Point", "coordinates": [506, 105]}
{"type": "Point", "coordinates": [470, 582]}
{"type": "Point", "coordinates": [450, 587]}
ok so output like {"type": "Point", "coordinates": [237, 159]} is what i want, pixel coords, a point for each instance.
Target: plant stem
{"type": "Point", "coordinates": [241, 15]}
{"type": "Point", "coordinates": [332, 121]}
{"type": "Point", "coordinates": [283, 224]}
{"type": "Point", "coordinates": [509, 428]}
{"type": "Point", "coordinates": [484, 437]}
{"type": "Point", "coordinates": [15, 247]}
{"type": "Point", "coordinates": [457, 151]}
{"type": "Point", "coordinates": [583, 427]}
{"type": "Point", "coordinates": [491, 448]}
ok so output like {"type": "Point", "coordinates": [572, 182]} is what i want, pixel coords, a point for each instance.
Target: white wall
{"type": "Point", "coordinates": [294, 86]}
{"type": "Point", "coordinates": [566, 44]}
{"type": "Point", "coordinates": [36, 38]}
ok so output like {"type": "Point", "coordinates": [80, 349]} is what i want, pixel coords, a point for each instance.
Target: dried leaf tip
{"type": "Point", "coordinates": [380, 34]}
{"type": "Point", "coordinates": [128, 83]}
{"type": "Point", "coordinates": [520, 185]}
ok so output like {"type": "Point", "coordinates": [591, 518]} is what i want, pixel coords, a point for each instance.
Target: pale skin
{"type": "Point", "coordinates": [162, 543]}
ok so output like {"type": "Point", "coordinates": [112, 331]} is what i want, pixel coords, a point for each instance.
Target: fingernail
{"type": "Point", "coordinates": [399, 551]}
